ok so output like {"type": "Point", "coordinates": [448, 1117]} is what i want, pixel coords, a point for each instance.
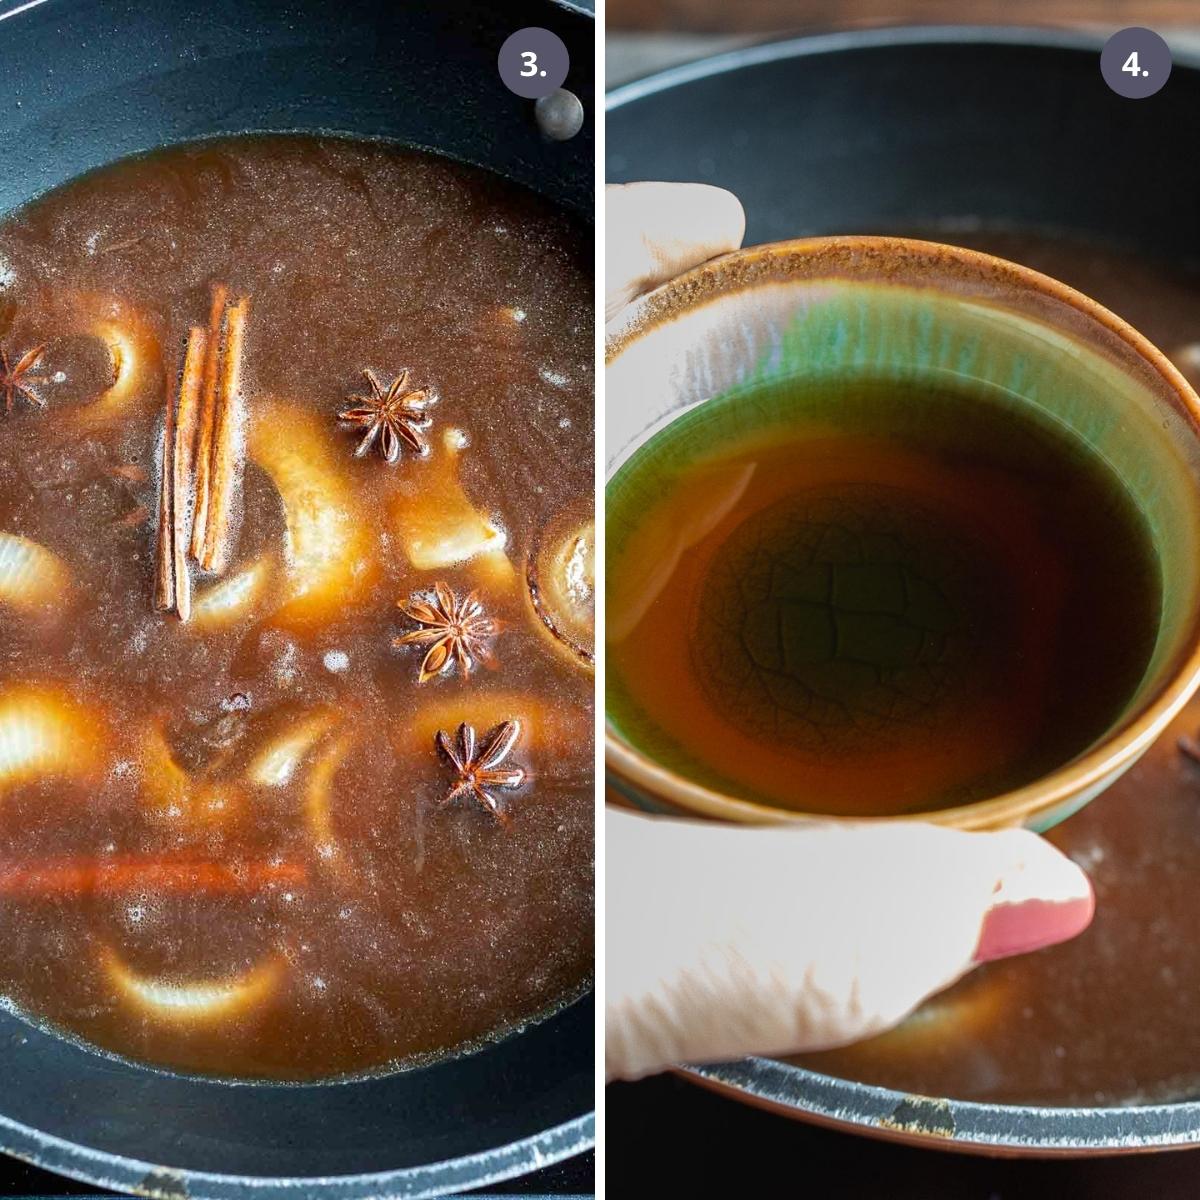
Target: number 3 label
{"type": "Point", "coordinates": [533, 62]}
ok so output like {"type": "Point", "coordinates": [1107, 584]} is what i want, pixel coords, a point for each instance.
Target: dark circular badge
{"type": "Point", "coordinates": [533, 62]}
{"type": "Point", "coordinates": [1135, 63]}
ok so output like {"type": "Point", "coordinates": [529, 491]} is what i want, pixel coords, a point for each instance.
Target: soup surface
{"type": "Point", "coordinates": [872, 597]}
{"type": "Point", "coordinates": [235, 843]}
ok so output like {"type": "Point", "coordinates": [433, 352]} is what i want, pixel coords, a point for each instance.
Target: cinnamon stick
{"type": "Point", "coordinates": [80, 877]}
{"type": "Point", "coordinates": [228, 419]}
{"type": "Point", "coordinates": [208, 407]}
{"type": "Point", "coordinates": [186, 418]}
{"type": "Point", "coordinates": [164, 565]}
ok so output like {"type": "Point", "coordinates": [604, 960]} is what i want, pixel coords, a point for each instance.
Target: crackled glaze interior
{"type": "Point", "coordinates": [224, 845]}
{"type": "Point", "coordinates": [872, 598]}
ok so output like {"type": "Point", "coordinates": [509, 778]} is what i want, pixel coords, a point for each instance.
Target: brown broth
{"type": "Point", "coordinates": [881, 597]}
{"type": "Point", "coordinates": [1111, 1017]}
{"type": "Point", "coordinates": [363, 926]}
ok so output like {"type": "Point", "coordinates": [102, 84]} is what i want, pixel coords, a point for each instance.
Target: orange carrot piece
{"type": "Point", "coordinates": [79, 877]}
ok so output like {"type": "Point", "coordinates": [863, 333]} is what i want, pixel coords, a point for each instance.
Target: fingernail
{"type": "Point", "coordinates": [1036, 908]}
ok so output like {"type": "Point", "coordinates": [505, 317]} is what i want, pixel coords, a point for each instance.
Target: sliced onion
{"type": "Point", "coordinates": [318, 793]}
{"type": "Point", "coordinates": [276, 763]}
{"type": "Point", "coordinates": [561, 583]}
{"type": "Point", "coordinates": [437, 524]}
{"type": "Point", "coordinates": [330, 556]}
{"type": "Point", "coordinates": [546, 724]}
{"type": "Point", "coordinates": [233, 598]}
{"type": "Point", "coordinates": [43, 733]}
{"type": "Point", "coordinates": [199, 1000]}
{"type": "Point", "coordinates": [32, 578]}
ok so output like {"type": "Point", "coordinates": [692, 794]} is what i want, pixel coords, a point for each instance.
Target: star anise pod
{"type": "Point", "coordinates": [458, 629]}
{"type": "Point", "coordinates": [478, 769]}
{"type": "Point", "coordinates": [15, 380]}
{"type": "Point", "coordinates": [392, 417]}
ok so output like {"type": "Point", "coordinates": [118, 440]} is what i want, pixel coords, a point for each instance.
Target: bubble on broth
{"type": "Point", "coordinates": [336, 661]}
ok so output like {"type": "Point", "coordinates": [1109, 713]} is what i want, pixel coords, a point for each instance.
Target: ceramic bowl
{"type": "Point", "coordinates": [890, 308]}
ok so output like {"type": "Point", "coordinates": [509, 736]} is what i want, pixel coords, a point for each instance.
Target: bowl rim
{"type": "Point", "coordinates": [752, 267]}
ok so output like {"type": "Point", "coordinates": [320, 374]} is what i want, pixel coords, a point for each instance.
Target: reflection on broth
{"type": "Point", "coordinates": [249, 826]}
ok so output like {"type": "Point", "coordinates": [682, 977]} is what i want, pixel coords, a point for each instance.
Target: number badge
{"type": "Point", "coordinates": [533, 62]}
{"type": "Point", "coordinates": [1135, 63]}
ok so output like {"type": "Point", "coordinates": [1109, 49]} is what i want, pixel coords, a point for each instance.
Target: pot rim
{"type": "Point", "coordinates": [117, 1172]}
{"type": "Point", "coordinates": [882, 36]}
{"type": "Point", "coordinates": [1001, 1130]}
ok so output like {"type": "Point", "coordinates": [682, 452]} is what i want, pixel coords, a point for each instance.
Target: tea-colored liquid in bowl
{"type": "Point", "coordinates": [231, 844]}
{"type": "Point", "coordinates": [872, 598]}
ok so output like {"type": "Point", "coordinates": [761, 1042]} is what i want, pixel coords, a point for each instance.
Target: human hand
{"type": "Point", "coordinates": [655, 231]}
{"type": "Point", "coordinates": [726, 940]}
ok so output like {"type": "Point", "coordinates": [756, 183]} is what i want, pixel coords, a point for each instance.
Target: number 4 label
{"type": "Point", "coordinates": [1136, 63]}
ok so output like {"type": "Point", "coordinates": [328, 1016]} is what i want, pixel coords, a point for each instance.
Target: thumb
{"type": "Point", "coordinates": [654, 231]}
{"type": "Point", "coordinates": [727, 941]}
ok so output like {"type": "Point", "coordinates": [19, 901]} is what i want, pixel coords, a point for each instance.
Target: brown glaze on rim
{"type": "Point", "coordinates": [884, 259]}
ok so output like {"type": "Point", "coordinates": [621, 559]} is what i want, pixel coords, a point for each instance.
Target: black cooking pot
{"type": "Point", "coordinates": [901, 128]}
{"type": "Point", "coordinates": [83, 82]}
{"type": "Point", "coordinates": [914, 129]}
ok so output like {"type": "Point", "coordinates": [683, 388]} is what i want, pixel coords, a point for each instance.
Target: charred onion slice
{"type": "Point", "coordinates": [438, 525]}
{"type": "Point", "coordinates": [560, 581]}
{"type": "Point", "coordinates": [232, 599]}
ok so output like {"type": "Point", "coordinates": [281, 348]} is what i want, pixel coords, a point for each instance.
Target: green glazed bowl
{"type": "Point", "coordinates": [889, 308]}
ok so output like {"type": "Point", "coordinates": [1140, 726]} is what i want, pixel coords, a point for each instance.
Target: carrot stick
{"type": "Point", "coordinates": [185, 442]}
{"type": "Point", "coordinates": [224, 456]}
{"type": "Point", "coordinates": [77, 877]}
{"type": "Point", "coordinates": [164, 575]}
{"type": "Point", "coordinates": [204, 447]}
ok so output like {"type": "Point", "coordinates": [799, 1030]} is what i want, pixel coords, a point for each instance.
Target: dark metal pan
{"type": "Point", "coordinates": [83, 82]}
{"type": "Point", "coordinates": [915, 129]}
{"type": "Point", "coordinates": [907, 127]}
